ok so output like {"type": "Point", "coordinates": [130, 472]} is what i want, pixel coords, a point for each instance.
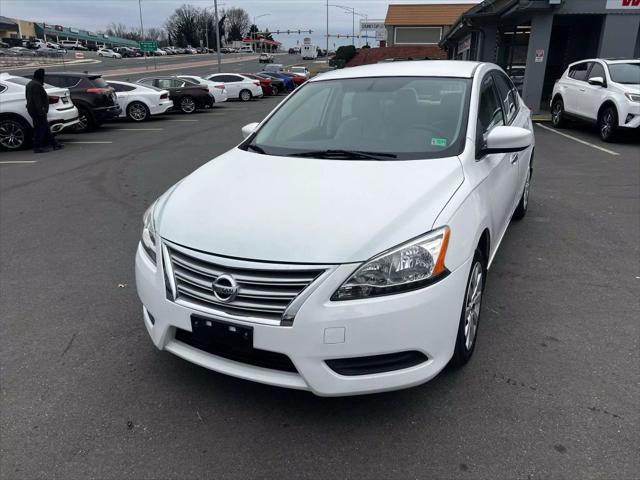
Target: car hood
{"type": "Point", "coordinates": [300, 210]}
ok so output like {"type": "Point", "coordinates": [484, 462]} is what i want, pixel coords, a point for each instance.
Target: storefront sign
{"type": "Point", "coordinates": [372, 25]}
{"type": "Point", "coordinates": [381, 35]}
{"type": "Point", "coordinates": [539, 56]}
{"type": "Point", "coordinates": [623, 4]}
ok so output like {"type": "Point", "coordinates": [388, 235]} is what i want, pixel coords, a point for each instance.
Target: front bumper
{"type": "Point", "coordinates": [425, 321]}
{"type": "Point", "coordinates": [629, 115]}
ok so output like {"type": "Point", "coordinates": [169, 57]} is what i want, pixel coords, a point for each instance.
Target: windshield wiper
{"type": "Point", "coordinates": [256, 148]}
{"type": "Point", "coordinates": [347, 154]}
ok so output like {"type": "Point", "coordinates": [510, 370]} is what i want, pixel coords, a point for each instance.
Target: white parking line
{"type": "Point", "coordinates": [576, 139]}
{"type": "Point", "coordinates": [12, 162]}
{"type": "Point", "coordinates": [85, 143]}
{"type": "Point", "coordinates": [135, 129]}
{"type": "Point", "coordinates": [184, 120]}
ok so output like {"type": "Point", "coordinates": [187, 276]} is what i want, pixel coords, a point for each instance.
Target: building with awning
{"type": "Point", "coordinates": [57, 33]}
{"type": "Point", "coordinates": [261, 44]}
{"type": "Point", "coordinates": [535, 40]}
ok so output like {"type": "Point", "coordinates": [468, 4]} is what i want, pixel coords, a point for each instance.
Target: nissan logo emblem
{"type": "Point", "coordinates": [225, 288]}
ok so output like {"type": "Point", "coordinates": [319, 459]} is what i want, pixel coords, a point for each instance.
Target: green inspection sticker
{"type": "Point", "coordinates": [439, 142]}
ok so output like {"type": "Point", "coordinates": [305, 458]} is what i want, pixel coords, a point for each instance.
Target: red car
{"type": "Point", "coordinates": [297, 79]}
{"type": "Point", "coordinates": [265, 83]}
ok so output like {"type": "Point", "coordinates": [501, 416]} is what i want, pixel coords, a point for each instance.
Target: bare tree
{"type": "Point", "coordinates": [237, 23]}
{"type": "Point", "coordinates": [185, 26]}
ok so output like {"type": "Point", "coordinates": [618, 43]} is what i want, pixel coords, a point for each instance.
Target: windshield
{"type": "Point", "coordinates": [382, 118]}
{"type": "Point", "coordinates": [625, 72]}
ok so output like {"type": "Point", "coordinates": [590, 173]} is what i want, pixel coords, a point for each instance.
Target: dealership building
{"type": "Point", "coordinates": [539, 38]}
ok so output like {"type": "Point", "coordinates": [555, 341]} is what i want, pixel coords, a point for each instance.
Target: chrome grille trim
{"type": "Point", "coordinates": [266, 290]}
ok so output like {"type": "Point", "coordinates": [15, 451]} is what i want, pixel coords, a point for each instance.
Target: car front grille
{"type": "Point", "coordinates": [264, 293]}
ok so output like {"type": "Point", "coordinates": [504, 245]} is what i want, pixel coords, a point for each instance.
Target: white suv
{"type": "Point", "coordinates": [599, 90]}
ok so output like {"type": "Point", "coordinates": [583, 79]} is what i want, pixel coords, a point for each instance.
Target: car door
{"type": "Point", "coordinates": [593, 96]}
{"type": "Point", "coordinates": [501, 169]}
{"type": "Point", "coordinates": [121, 95]}
{"type": "Point", "coordinates": [233, 84]}
{"type": "Point", "coordinates": [575, 87]}
{"type": "Point", "coordinates": [516, 117]}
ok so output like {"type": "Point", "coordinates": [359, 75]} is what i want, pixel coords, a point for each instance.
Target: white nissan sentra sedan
{"type": "Point", "coordinates": [343, 246]}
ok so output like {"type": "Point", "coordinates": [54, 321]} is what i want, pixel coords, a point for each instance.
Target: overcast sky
{"type": "Point", "coordinates": [283, 14]}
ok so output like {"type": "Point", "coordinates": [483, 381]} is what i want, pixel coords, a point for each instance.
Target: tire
{"type": "Point", "coordinates": [15, 134]}
{"type": "Point", "coordinates": [87, 122]}
{"type": "Point", "coordinates": [274, 90]}
{"type": "Point", "coordinates": [558, 116]}
{"type": "Point", "coordinates": [471, 309]}
{"type": "Point", "coordinates": [245, 96]}
{"type": "Point", "coordinates": [138, 112]}
{"type": "Point", "coordinates": [188, 104]}
{"type": "Point", "coordinates": [523, 204]}
{"type": "Point", "coordinates": [608, 124]}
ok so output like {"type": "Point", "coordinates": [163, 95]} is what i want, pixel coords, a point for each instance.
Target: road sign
{"type": "Point", "coordinates": [148, 45]}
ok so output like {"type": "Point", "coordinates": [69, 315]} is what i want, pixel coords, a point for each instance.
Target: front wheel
{"type": "Point", "coordinates": [557, 114]}
{"type": "Point", "coordinates": [608, 124]}
{"type": "Point", "coordinates": [274, 90]}
{"type": "Point", "coordinates": [521, 209]}
{"type": "Point", "coordinates": [187, 104]}
{"type": "Point", "coordinates": [470, 315]}
{"type": "Point", "coordinates": [245, 95]}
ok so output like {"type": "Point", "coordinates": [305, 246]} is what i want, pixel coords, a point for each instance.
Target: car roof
{"type": "Point", "coordinates": [90, 76]}
{"type": "Point", "coordinates": [419, 68]}
{"type": "Point", "coordinates": [608, 61]}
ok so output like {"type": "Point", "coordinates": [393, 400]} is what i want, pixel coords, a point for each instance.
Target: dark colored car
{"type": "Point", "coordinates": [268, 88]}
{"type": "Point", "coordinates": [126, 52]}
{"type": "Point", "coordinates": [187, 96]}
{"type": "Point", "coordinates": [95, 99]}
{"type": "Point", "coordinates": [297, 79]}
{"type": "Point", "coordinates": [288, 83]}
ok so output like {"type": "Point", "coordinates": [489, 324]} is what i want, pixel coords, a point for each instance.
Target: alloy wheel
{"type": "Point", "coordinates": [556, 113]}
{"type": "Point", "coordinates": [12, 135]}
{"type": "Point", "coordinates": [245, 95]}
{"type": "Point", "coordinates": [472, 306]}
{"type": "Point", "coordinates": [607, 124]}
{"type": "Point", "coordinates": [527, 186]}
{"type": "Point", "coordinates": [187, 105]}
{"type": "Point", "coordinates": [83, 122]}
{"type": "Point", "coordinates": [137, 112]}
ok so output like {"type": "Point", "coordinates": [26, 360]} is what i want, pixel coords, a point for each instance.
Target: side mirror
{"type": "Point", "coordinates": [505, 139]}
{"type": "Point", "coordinates": [249, 129]}
{"type": "Point", "coordinates": [597, 81]}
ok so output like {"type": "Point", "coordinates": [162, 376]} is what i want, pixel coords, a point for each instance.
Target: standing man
{"type": "Point", "coordinates": [38, 107]}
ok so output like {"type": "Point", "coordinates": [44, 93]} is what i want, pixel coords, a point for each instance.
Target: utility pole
{"type": "Point", "coordinates": [144, 54]}
{"type": "Point", "coordinates": [327, 28]}
{"type": "Point", "coordinates": [215, 8]}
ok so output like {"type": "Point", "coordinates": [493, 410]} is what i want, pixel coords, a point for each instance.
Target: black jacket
{"type": "Point", "coordinates": [37, 99]}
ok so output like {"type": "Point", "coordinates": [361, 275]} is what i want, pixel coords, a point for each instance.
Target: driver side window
{"type": "Point", "coordinates": [490, 113]}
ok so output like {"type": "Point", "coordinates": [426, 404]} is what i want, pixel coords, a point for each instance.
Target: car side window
{"type": "Point", "coordinates": [597, 71]}
{"type": "Point", "coordinates": [509, 102]}
{"type": "Point", "coordinates": [489, 111]}
{"type": "Point", "coordinates": [579, 71]}
{"type": "Point", "coordinates": [2, 88]}
{"type": "Point", "coordinates": [116, 87]}
{"type": "Point", "coordinates": [164, 83]}
{"type": "Point", "coordinates": [147, 81]}
{"type": "Point", "coordinates": [232, 78]}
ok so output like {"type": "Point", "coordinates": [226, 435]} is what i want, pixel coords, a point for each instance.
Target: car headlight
{"type": "Point", "coordinates": [409, 266]}
{"type": "Point", "coordinates": [634, 97]}
{"type": "Point", "coordinates": [149, 232]}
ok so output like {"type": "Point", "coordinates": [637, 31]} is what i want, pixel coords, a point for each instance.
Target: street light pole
{"type": "Point", "coordinates": [215, 8]}
{"type": "Point", "coordinates": [144, 53]}
{"type": "Point", "coordinates": [327, 28]}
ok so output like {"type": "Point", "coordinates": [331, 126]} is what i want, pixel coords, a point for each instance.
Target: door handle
{"type": "Point", "coordinates": [514, 158]}
{"type": "Point", "coordinates": [582, 90]}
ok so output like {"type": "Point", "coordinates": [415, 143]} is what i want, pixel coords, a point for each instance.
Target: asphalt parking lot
{"type": "Point", "coordinates": [551, 391]}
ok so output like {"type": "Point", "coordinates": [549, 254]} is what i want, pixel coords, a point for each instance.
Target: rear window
{"type": "Point", "coordinates": [98, 82]}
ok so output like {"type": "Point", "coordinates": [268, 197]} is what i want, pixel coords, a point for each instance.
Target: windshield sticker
{"type": "Point", "coordinates": [439, 142]}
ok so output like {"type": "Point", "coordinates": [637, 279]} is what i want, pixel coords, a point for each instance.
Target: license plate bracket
{"type": "Point", "coordinates": [209, 332]}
